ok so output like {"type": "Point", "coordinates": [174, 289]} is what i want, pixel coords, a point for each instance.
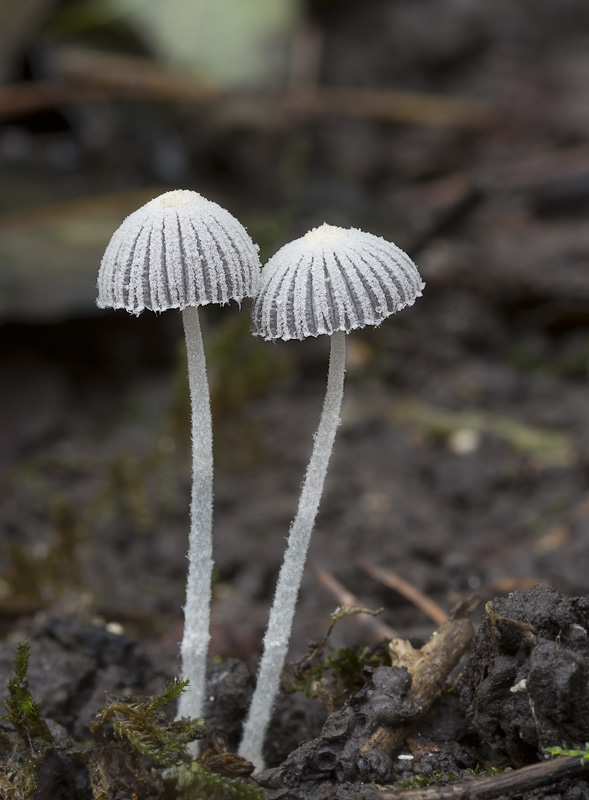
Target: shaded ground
{"type": "Point", "coordinates": [461, 461]}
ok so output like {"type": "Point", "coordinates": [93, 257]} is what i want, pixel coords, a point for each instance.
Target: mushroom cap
{"type": "Point", "coordinates": [178, 250]}
{"type": "Point", "coordinates": [333, 279]}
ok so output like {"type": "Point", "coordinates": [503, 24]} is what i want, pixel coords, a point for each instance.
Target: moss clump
{"type": "Point", "coordinates": [419, 781]}
{"type": "Point", "coordinates": [195, 782]}
{"type": "Point", "coordinates": [19, 766]}
{"type": "Point", "coordinates": [137, 747]}
{"type": "Point", "coordinates": [215, 775]}
{"type": "Point", "coordinates": [21, 709]}
{"type": "Point", "coordinates": [330, 676]}
{"type": "Point", "coordinates": [139, 723]}
{"type": "Point", "coordinates": [440, 778]}
{"type": "Point", "coordinates": [582, 752]}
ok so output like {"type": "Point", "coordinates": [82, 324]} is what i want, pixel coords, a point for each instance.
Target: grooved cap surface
{"type": "Point", "coordinates": [178, 250]}
{"type": "Point", "coordinates": [333, 279]}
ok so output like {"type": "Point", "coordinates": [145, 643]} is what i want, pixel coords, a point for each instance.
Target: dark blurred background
{"type": "Point", "coordinates": [460, 130]}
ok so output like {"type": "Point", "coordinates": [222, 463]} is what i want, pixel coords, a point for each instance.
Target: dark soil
{"type": "Point", "coordinates": [527, 681]}
{"type": "Point", "coordinates": [524, 687]}
{"type": "Point", "coordinates": [462, 458]}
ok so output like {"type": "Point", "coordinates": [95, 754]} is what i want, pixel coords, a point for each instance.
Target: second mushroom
{"type": "Point", "coordinates": [330, 281]}
{"type": "Point", "coordinates": [181, 251]}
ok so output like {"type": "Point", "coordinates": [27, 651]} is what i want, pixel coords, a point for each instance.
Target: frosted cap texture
{"type": "Point", "coordinates": [178, 250]}
{"type": "Point", "coordinates": [333, 279]}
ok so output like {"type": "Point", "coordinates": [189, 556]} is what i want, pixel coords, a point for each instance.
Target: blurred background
{"type": "Point", "coordinates": [459, 130]}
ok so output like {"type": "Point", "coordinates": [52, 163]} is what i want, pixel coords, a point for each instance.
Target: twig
{"type": "Point", "coordinates": [390, 105]}
{"type": "Point", "coordinates": [91, 76]}
{"type": "Point", "coordinates": [97, 205]}
{"type": "Point", "coordinates": [358, 739]}
{"type": "Point", "coordinates": [27, 98]}
{"type": "Point", "coordinates": [507, 783]}
{"type": "Point", "coordinates": [429, 668]}
{"type": "Point", "coordinates": [411, 593]}
{"type": "Point", "coordinates": [131, 74]}
{"type": "Point", "coordinates": [346, 598]}
{"type": "Point", "coordinates": [88, 76]}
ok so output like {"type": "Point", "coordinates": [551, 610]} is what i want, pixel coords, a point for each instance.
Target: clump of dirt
{"type": "Point", "coordinates": [337, 754]}
{"type": "Point", "coordinates": [526, 685]}
{"type": "Point", "coordinates": [359, 742]}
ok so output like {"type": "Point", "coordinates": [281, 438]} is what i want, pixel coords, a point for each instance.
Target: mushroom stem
{"type": "Point", "coordinates": [195, 640]}
{"type": "Point", "coordinates": [281, 615]}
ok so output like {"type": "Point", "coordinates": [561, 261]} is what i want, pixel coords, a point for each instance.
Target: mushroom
{"type": "Point", "coordinates": [330, 281]}
{"type": "Point", "coordinates": [182, 251]}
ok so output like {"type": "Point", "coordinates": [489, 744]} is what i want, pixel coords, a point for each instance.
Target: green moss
{"type": "Point", "coordinates": [440, 778]}
{"type": "Point", "coordinates": [18, 777]}
{"type": "Point", "coordinates": [19, 766]}
{"type": "Point", "coordinates": [419, 781]}
{"type": "Point", "coordinates": [196, 782]}
{"type": "Point", "coordinates": [330, 676]}
{"type": "Point", "coordinates": [22, 710]}
{"type": "Point", "coordinates": [146, 737]}
{"type": "Point", "coordinates": [138, 722]}
{"type": "Point", "coordinates": [483, 772]}
{"type": "Point", "coordinates": [136, 749]}
{"type": "Point", "coordinates": [582, 752]}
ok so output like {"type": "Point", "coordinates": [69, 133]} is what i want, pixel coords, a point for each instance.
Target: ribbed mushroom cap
{"type": "Point", "coordinates": [333, 279]}
{"type": "Point", "coordinates": [178, 250]}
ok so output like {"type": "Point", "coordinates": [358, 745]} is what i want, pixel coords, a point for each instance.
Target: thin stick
{"type": "Point", "coordinates": [87, 75]}
{"type": "Point", "coordinates": [195, 641]}
{"type": "Point", "coordinates": [411, 593]}
{"type": "Point", "coordinates": [389, 104]}
{"type": "Point", "coordinates": [429, 667]}
{"type": "Point", "coordinates": [289, 580]}
{"type": "Point", "coordinates": [507, 784]}
{"type": "Point", "coordinates": [346, 598]}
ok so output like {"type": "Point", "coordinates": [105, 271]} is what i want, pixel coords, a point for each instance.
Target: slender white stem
{"type": "Point", "coordinates": [287, 590]}
{"type": "Point", "coordinates": [195, 641]}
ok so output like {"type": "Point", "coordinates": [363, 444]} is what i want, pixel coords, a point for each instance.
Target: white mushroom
{"type": "Point", "coordinates": [182, 251]}
{"type": "Point", "coordinates": [330, 281]}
